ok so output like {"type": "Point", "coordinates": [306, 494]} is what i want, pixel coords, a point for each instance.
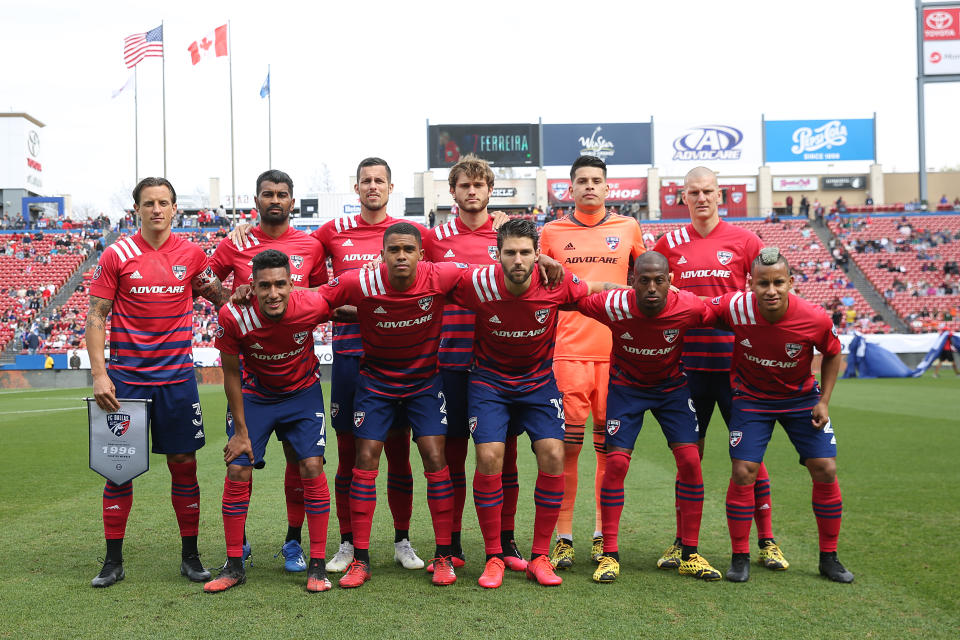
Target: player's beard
{"type": "Point", "coordinates": [518, 277]}
{"type": "Point", "coordinates": [471, 207]}
{"type": "Point", "coordinates": [274, 217]}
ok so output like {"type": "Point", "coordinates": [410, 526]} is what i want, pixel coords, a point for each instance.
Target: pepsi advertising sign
{"type": "Point", "coordinates": [819, 140]}
{"type": "Point", "coordinates": [621, 143]}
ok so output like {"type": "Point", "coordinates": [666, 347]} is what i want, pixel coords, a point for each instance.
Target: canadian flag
{"type": "Point", "coordinates": [212, 44]}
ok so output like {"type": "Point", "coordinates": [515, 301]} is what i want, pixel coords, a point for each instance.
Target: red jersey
{"type": "Point", "coordinates": [646, 351]}
{"type": "Point", "coordinates": [455, 242]}
{"type": "Point", "coordinates": [151, 325]}
{"type": "Point", "coordinates": [278, 356]}
{"type": "Point", "coordinates": [400, 329]}
{"type": "Point", "coordinates": [709, 266]}
{"type": "Point", "coordinates": [308, 263]}
{"type": "Point", "coordinates": [351, 242]}
{"type": "Point", "coordinates": [772, 361]}
{"type": "Point", "coordinates": [515, 335]}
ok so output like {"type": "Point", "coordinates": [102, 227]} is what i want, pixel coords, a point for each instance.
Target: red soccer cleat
{"type": "Point", "coordinates": [458, 562]}
{"type": "Point", "coordinates": [542, 571]}
{"type": "Point", "coordinates": [443, 571]}
{"type": "Point", "coordinates": [513, 558]}
{"type": "Point", "coordinates": [357, 573]}
{"type": "Point", "coordinates": [492, 576]}
{"type": "Point", "coordinates": [230, 576]}
{"type": "Point", "coordinates": [317, 580]}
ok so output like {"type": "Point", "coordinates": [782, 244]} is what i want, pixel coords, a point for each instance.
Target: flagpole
{"type": "Point", "coordinates": [163, 71]}
{"type": "Point", "coordinates": [136, 133]}
{"type": "Point", "coordinates": [233, 179]}
{"type": "Point", "coordinates": [269, 121]}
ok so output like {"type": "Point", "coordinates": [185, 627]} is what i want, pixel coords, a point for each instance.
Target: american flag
{"type": "Point", "coordinates": [143, 45]}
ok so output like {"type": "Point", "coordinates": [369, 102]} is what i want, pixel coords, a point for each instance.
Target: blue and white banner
{"type": "Point", "coordinates": [819, 140]}
{"type": "Point", "coordinates": [620, 143]}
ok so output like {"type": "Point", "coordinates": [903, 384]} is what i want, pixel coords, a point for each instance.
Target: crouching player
{"type": "Point", "coordinates": [280, 392]}
{"type": "Point", "coordinates": [648, 324]}
{"type": "Point", "coordinates": [776, 333]}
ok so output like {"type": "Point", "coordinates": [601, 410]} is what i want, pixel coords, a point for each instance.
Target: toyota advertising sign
{"type": "Point", "coordinates": [502, 145]}
{"type": "Point", "coordinates": [725, 146]}
{"type": "Point", "coordinates": [619, 143]}
{"type": "Point", "coordinates": [941, 41]}
{"type": "Point", "coordinates": [819, 140]}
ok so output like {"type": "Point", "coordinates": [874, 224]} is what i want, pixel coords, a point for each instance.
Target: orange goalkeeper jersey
{"type": "Point", "coordinates": [597, 248]}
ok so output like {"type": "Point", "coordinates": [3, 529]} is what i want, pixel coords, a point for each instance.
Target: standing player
{"type": "Point", "coordinates": [470, 237]}
{"type": "Point", "coordinates": [280, 392]}
{"type": "Point", "coordinates": [308, 268]}
{"type": "Point", "coordinates": [710, 257]}
{"type": "Point", "coordinates": [648, 324]}
{"type": "Point", "coordinates": [597, 246]}
{"type": "Point", "coordinates": [148, 281]}
{"type": "Point", "coordinates": [400, 308]}
{"type": "Point", "coordinates": [512, 388]}
{"type": "Point", "coordinates": [776, 333]}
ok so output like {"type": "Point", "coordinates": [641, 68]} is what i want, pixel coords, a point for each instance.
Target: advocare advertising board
{"type": "Point", "coordinates": [614, 143]}
{"type": "Point", "coordinates": [502, 145]}
{"type": "Point", "coordinates": [728, 146]}
{"type": "Point", "coordinates": [941, 40]}
{"type": "Point", "coordinates": [819, 140]}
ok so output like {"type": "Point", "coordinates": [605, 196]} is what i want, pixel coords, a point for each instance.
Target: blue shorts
{"type": "Point", "coordinates": [709, 388]}
{"type": "Point", "coordinates": [496, 412]}
{"type": "Point", "coordinates": [455, 393]}
{"type": "Point", "coordinates": [673, 410]}
{"type": "Point", "coordinates": [299, 417]}
{"type": "Point", "coordinates": [752, 423]}
{"type": "Point", "coordinates": [176, 420]}
{"type": "Point", "coordinates": [375, 412]}
{"type": "Point", "coordinates": [345, 377]}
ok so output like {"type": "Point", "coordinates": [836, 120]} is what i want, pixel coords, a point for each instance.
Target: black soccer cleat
{"type": "Point", "coordinates": [830, 567]}
{"type": "Point", "coordinates": [191, 568]}
{"type": "Point", "coordinates": [110, 574]}
{"type": "Point", "coordinates": [739, 570]}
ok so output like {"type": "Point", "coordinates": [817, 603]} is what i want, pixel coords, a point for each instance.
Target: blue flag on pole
{"type": "Point", "coordinates": [265, 89]}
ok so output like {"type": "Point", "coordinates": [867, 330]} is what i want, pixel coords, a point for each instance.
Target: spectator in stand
{"type": "Point", "coordinates": [851, 316]}
{"type": "Point", "coordinates": [868, 201]}
{"type": "Point", "coordinates": [841, 205]}
{"type": "Point", "coordinates": [804, 207]}
{"type": "Point", "coordinates": [32, 342]}
{"type": "Point", "coordinates": [48, 362]}
{"type": "Point", "coordinates": [789, 205]}
{"type": "Point", "coordinates": [943, 199]}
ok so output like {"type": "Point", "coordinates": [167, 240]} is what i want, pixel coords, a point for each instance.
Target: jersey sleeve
{"type": "Point", "coordinates": [593, 306]}
{"type": "Point", "coordinates": [341, 290]}
{"type": "Point", "coordinates": [464, 294]}
{"type": "Point", "coordinates": [636, 245]}
{"type": "Point", "coordinates": [449, 274]}
{"type": "Point", "coordinates": [318, 275]}
{"type": "Point", "coordinates": [573, 288]}
{"type": "Point", "coordinates": [317, 306]}
{"type": "Point", "coordinates": [225, 337]}
{"type": "Point", "coordinates": [702, 314]}
{"type": "Point", "coordinates": [103, 284]}
{"type": "Point", "coordinates": [828, 342]}
{"type": "Point", "coordinates": [718, 310]}
{"type": "Point", "coordinates": [661, 246]}
{"type": "Point", "coordinates": [222, 259]}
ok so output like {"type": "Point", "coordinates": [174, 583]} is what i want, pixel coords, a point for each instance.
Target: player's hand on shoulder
{"type": "Point", "coordinates": [373, 265]}
{"type": "Point", "coordinates": [551, 271]}
{"type": "Point", "coordinates": [242, 295]}
{"type": "Point", "coordinates": [104, 392]}
{"type": "Point", "coordinates": [499, 217]}
{"type": "Point", "coordinates": [238, 235]}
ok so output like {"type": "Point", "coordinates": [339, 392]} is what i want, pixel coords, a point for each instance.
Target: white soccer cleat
{"type": "Point", "coordinates": [405, 555]}
{"type": "Point", "coordinates": [342, 559]}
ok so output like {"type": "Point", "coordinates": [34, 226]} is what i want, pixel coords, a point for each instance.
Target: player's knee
{"type": "Point", "coordinates": [289, 453]}
{"type": "Point", "coordinates": [238, 473]}
{"type": "Point", "coordinates": [744, 472]}
{"type": "Point", "coordinates": [311, 467]}
{"type": "Point", "coordinates": [618, 462]}
{"type": "Point", "coordinates": [489, 461]}
{"type": "Point", "coordinates": [822, 469]}
{"type": "Point", "coordinates": [180, 458]}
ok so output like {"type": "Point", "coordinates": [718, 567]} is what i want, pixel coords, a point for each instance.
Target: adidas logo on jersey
{"type": "Point", "coordinates": [626, 336]}
{"type": "Point", "coordinates": [256, 345]}
{"type": "Point", "coordinates": [746, 342]}
{"type": "Point", "coordinates": [379, 310]}
{"type": "Point", "coordinates": [495, 320]}
{"type": "Point", "coordinates": [682, 260]}
{"type": "Point", "coordinates": [569, 247]}
{"type": "Point", "coordinates": [348, 243]}
{"type": "Point", "coordinates": [449, 254]}
{"type": "Point", "coordinates": [198, 435]}
{"type": "Point", "coordinates": [136, 275]}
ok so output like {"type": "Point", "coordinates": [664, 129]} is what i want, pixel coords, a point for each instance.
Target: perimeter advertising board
{"type": "Point", "coordinates": [941, 41]}
{"type": "Point", "coordinates": [621, 190]}
{"type": "Point", "coordinates": [21, 165]}
{"type": "Point", "coordinates": [726, 146]}
{"type": "Point", "coordinates": [614, 143]}
{"type": "Point", "coordinates": [819, 140]}
{"type": "Point", "coordinates": [502, 145]}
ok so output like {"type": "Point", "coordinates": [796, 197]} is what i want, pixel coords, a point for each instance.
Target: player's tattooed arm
{"type": "Point", "coordinates": [104, 391]}
{"type": "Point", "coordinates": [212, 290]}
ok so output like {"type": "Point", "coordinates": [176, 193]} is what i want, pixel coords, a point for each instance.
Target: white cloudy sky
{"type": "Point", "coordinates": [358, 79]}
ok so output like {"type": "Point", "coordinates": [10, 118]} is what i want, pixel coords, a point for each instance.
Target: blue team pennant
{"type": "Point", "coordinates": [265, 89]}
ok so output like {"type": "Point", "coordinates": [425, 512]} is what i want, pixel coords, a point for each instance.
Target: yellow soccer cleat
{"type": "Point", "coordinates": [772, 558]}
{"type": "Point", "coordinates": [671, 557]}
{"type": "Point", "coordinates": [596, 550]}
{"type": "Point", "coordinates": [698, 567]}
{"type": "Point", "coordinates": [562, 555]}
{"type": "Point", "coordinates": [608, 571]}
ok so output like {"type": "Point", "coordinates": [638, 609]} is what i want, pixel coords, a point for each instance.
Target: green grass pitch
{"type": "Point", "coordinates": [899, 441]}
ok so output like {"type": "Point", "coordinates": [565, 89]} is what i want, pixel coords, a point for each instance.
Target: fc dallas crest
{"type": "Point", "coordinates": [296, 261]}
{"type": "Point", "coordinates": [118, 423]}
{"type": "Point", "coordinates": [670, 199]}
{"type": "Point", "coordinates": [300, 336]}
{"type": "Point", "coordinates": [724, 257]}
{"type": "Point", "coordinates": [425, 303]}
{"type": "Point", "coordinates": [735, 438]}
{"type": "Point", "coordinates": [670, 334]}
{"type": "Point", "coordinates": [541, 315]}
{"type": "Point", "coordinates": [613, 242]}
{"type": "Point", "coordinates": [358, 418]}
{"type": "Point", "coordinates": [492, 250]}
{"type": "Point", "coordinates": [179, 271]}
{"type": "Point", "coordinates": [613, 426]}
{"type": "Point", "coordinates": [792, 349]}
{"type": "Point", "coordinates": [737, 197]}
{"type": "Point", "coordinates": [472, 423]}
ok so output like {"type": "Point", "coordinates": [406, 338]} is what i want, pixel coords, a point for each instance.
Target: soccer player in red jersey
{"type": "Point", "coordinates": [308, 268]}
{"type": "Point", "coordinates": [598, 246]}
{"type": "Point", "coordinates": [710, 257]}
{"type": "Point", "coordinates": [400, 309]}
{"type": "Point", "coordinates": [512, 388]}
{"type": "Point", "coordinates": [776, 333]}
{"type": "Point", "coordinates": [470, 237]}
{"type": "Point", "coordinates": [148, 282]}
{"type": "Point", "coordinates": [648, 323]}
{"type": "Point", "coordinates": [280, 392]}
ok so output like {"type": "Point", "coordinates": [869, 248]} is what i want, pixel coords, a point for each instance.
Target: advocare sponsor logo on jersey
{"type": "Point", "coordinates": [591, 259]}
{"type": "Point", "coordinates": [792, 349]}
{"type": "Point", "coordinates": [158, 289]}
{"type": "Point", "coordinates": [502, 333]}
{"type": "Point", "coordinates": [724, 257]}
{"type": "Point", "coordinates": [277, 356]}
{"type": "Point", "coordinates": [767, 362]}
{"type": "Point", "coordinates": [400, 324]}
{"type": "Point", "coordinates": [300, 336]}
{"type": "Point", "coordinates": [613, 426]}
{"type": "Point", "coordinates": [360, 257]}
{"type": "Point", "coordinates": [706, 273]}
{"type": "Point", "coordinates": [709, 143]}
{"type": "Point", "coordinates": [179, 271]}
{"type": "Point", "coordinates": [670, 334]}
{"type": "Point", "coordinates": [296, 261]}
{"type": "Point", "coordinates": [425, 303]}
{"type": "Point", "coordinates": [118, 423]}
{"type": "Point", "coordinates": [828, 135]}
{"type": "Point", "coordinates": [648, 352]}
